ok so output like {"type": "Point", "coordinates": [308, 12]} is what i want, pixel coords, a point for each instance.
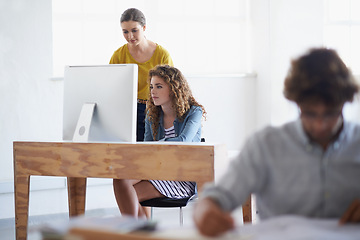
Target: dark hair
{"type": "Point", "coordinates": [180, 93]}
{"type": "Point", "coordinates": [133, 14]}
{"type": "Point", "coordinates": [320, 75]}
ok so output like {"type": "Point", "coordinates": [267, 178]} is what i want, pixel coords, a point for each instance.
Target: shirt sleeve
{"type": "Point", "coordinates": [168, 60]}
{"type": "Point", "coordinates": [112, 61]}
{"type": "Point", "coordinates": [165, 57]}
{"type": "Point", "coordinates": [114, 58]}
{"type": "Point", "coordinates": [119, 56]}
{"type": "Point", "coordinates": [246, 174]}
{"type": "Point", "coordinates": [148, 136]}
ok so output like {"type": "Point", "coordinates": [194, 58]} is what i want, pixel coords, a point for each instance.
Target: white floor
{"type": "Point", "coordinates": [165, 217]}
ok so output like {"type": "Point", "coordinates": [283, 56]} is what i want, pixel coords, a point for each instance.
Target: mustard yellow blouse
{"type": "Point", "coordinates": [161, 56]}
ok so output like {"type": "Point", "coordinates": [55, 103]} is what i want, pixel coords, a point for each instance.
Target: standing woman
{"type": "Point", "coordinates": [143, 52]}
{"type": "Point", "coordinates": [173, 114]}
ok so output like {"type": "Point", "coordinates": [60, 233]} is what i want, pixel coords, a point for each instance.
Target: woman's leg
{"type": "Point", "coordinates": [147, 211]}
{"type": "Point", "coordinates": [145, 190]}
{"type": "Point", "coordinates": [129, 193]}
{"type": "Point", "coordinates": [126, 196]}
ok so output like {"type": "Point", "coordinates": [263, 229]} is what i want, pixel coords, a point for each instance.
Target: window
{"type": "Point", "coordinates": [342, 30]}
{"type": "Point", "coordinates": [199, 35]}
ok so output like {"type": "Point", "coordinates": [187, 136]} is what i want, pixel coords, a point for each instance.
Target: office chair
{"type": "Point", "coordinates": [165, 202]}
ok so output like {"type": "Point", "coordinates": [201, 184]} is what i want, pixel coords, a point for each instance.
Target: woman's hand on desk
{"type": "Point", "coordinates": [210, 219]}
{"type": "Point", "coordinates": [352, 214]}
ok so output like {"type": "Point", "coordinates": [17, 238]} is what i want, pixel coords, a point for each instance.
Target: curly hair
{"type": "Point", "coordinates": [180, 93]}
{"type": "Point", "coordinates": [320, 75]}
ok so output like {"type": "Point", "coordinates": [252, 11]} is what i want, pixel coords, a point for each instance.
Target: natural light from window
{"type": "Point", "coordinates": [342, 30]}
{"type": "Point", "coordinates": [199, 35]}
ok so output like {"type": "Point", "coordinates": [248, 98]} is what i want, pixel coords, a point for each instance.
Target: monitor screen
{"type": "Point", "coordinates": [113, 89]}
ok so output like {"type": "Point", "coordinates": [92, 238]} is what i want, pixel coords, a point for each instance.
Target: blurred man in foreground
{"type": "Point", "coordinates": [309, 167]}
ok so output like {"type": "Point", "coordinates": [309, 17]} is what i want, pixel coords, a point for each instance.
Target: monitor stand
{"type": "Point", "coordinates": [82, 129]}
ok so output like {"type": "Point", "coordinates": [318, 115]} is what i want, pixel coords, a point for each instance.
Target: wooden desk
{"type": "Point", "coordinates": [77, 161]}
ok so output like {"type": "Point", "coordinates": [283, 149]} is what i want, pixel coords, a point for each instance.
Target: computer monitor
{"type": "Point", "coordinates": [106, 98]}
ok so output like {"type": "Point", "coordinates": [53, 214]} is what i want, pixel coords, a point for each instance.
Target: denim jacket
{"type": "Point", "coordinates": [188, 130]}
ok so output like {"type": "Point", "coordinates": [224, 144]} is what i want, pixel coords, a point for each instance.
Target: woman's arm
{"type": "Point", "coordinates": [148, 136]}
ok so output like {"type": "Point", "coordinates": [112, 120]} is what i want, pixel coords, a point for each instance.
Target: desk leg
{"type": "Point", "coordinates": [21, 188]}
{"type": "Point", "coordinates": [246, 208]}
{"type": "Point", "coordinates": [76, 195]}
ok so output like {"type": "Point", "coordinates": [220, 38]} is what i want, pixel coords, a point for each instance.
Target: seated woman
{"type": "Point", "coordinates": [173, 114]}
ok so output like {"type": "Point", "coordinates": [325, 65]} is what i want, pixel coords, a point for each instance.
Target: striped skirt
{"type": "Point", "coordinates": [174, 189]}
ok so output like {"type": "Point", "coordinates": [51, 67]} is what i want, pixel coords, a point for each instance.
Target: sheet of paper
{"type": "Point", "coordinates": [284, 227]}
{"type": "Point", "coordinates": [301, 228]}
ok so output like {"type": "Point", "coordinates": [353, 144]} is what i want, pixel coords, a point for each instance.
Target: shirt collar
{"type": "Point", "coordinates": [309, 144]}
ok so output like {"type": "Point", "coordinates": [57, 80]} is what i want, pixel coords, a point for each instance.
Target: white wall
{"type": "Point", "coordinates": [282, 30]}
{"type": "Point", "coordinates": [31, 104]}
{"type": "Point", "coordinates": [25, 64]}
{"type": "Point", "coordinates": [229, 102]}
